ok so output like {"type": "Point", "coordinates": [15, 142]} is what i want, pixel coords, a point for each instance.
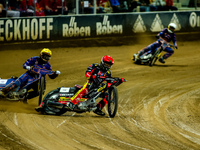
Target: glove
{"type": "Point", "coordinates": [28, 67]}
{"type": "Point", "coordinates": [57, 72]}
{"type": "Point", "coordinates": [94, 76]}
{"type": "Point", "coordinates": [123, 80]}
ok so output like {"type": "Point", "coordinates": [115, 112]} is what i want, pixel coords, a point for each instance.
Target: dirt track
{"type": "Point", "coordinates": [159, 106]}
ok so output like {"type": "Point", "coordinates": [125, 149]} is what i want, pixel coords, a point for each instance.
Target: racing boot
{"type": "Point", "coordinates": [162, 60]}
{"type": "Point", "coordinates": [4, 92]}
{"type": "Point", "coordinates": [39, 108]}
{"type": "Point", "coordinates": [98, 111]}
{"type": "Point", "coordinates": [100, 106]}
{"type": "Point", "coordinates": [135, 56]}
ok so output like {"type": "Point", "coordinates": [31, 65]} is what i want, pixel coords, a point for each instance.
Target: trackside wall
{"type": "Point", "coordinates": [53, 28]}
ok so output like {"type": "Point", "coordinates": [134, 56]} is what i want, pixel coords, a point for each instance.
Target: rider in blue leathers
{"type": "Point", "coordinates": [166, 34]}
{"type": "Point", "coordinates": [29, 76]}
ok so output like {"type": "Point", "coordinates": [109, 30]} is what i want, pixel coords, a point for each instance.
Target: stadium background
{"type": "Point", "coordinates": [158, 106]}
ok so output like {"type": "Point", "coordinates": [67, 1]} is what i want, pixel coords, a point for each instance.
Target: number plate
{"type": "Point", "coordinates": [64, 89]}
{"type": "Point", "coordinates": [3, 81]}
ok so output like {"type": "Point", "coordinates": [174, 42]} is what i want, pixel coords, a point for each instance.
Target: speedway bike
{"type": "Point", "coordinates": [54, 103]}
{"type": "Point", "coordinates": [20, 93]}
{"type": "Point", "coordinates": [150, 57]}
{"type": "Point", "coordinates": [158, 53]}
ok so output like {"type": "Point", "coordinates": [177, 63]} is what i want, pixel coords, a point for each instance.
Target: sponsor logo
{"type": "Point", "coordinates": [194, 20]}
{"type": "Point", "coordinates": [66, 95]}
{"type": "Point", "coordinates": [25, 29]}
{"type": "Point", "coordinates": [104, 28]}
{"type": "Point", "coordinates": [73, 30]}
{"type": "Point", "coordinates": [139, 25]}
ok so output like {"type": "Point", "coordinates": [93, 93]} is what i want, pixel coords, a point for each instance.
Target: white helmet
{"type": "Point", "coordinates": [171, 27]}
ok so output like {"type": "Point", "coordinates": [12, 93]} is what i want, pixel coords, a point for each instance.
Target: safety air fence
{"type": "Point", "coordinates": [53, 28]}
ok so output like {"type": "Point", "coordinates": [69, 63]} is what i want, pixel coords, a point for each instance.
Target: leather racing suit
{"type": "Point", "coordinates": [95, 76]}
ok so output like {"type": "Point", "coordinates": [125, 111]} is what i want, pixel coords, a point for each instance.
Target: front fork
{"type": "Point", "coordinates": [159, 55]}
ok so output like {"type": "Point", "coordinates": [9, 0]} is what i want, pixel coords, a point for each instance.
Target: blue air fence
{"type": "Point", "coordinates": [31, 29]}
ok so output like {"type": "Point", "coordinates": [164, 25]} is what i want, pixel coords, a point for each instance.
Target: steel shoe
{"type": "Point", "coordinates": [135, 57]}
{"type": "Point", "coordinates": [2, 94]}
{"type": "Point", "coordinates": [98, 111]}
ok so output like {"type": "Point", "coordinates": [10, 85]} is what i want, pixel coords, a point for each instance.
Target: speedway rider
{"type": "Point", "coordinates": [29, 76]}
{"type": "Point", "coordinates": [96, 74]}
{"type": "Point", "coordinates": [166, 34]}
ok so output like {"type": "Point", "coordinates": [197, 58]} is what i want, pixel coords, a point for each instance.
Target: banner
{"type": "Point", "coordinates": [68, 27]}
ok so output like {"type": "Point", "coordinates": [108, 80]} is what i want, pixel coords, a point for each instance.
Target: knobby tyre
{"type": "Point", "coordinates": [113, 102]}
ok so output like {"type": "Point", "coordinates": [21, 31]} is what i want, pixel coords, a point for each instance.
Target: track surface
{"type": "Point", "coordinates": [159, 106]}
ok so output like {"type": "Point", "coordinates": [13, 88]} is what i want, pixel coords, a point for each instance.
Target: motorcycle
{"type": "Point", "coordinates": [54, 103]}
{"type": "Point", "coordinates": [20, 93]}
{"type": "Point", "coordinates": [150, 57]}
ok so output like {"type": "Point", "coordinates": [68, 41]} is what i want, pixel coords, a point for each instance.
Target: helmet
{"type": "Point", "coordinates": [106, 62]}
{"type": "Point", "coordinates": [171, 27]}
{"type": "Point", "coordinates": [45, 54]}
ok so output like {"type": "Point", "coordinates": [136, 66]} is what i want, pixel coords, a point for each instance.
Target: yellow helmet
{"type": "Point", "coordinates": [45, 54]}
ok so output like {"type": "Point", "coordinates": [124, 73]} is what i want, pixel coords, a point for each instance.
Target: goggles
{"type": "Point", "coordinates": [46, 57]}
{"type": "Point", "coordinates": [172, 28]}
{"type": "Point", "coordinates": [107, 65]}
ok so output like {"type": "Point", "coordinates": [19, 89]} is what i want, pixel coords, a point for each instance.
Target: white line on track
{"type": "Point", "coordinates": [119, 141]}
{"type": "Point", "coordinates": [76, 141]}
{"type": "Point", "coordinates": [193, 139]}
{"type": "Point", "coordinates": [10, 138]}
{"type": "Point", "coordinates": [61, 123]}
{"type": "Point", "coordinates": [15, 119]}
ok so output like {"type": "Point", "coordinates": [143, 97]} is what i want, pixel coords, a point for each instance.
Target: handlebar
{"type": "Point", "coordinates": [115, 79]}
{"type": "Point", "coordinates": [41, 71]}
{"type": "Point", "coordinates": [166, 44]}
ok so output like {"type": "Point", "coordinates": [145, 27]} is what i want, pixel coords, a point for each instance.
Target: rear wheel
{"type": "Point", "coordinates": [41, 91]}
{"type": "Point", "coordinates": [51, 106]}
{"type": "Point", "coordinates": [113, 102]}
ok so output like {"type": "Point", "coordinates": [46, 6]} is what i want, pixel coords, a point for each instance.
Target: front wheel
{"type": "Point", "coordinates": [152, 62]}
{"type": "Point", "coordinates": [42, 85]}
{"type": "Point", "coordinates": [113, 102]}
{"type": "Point", "coordinates": [154, 58]}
